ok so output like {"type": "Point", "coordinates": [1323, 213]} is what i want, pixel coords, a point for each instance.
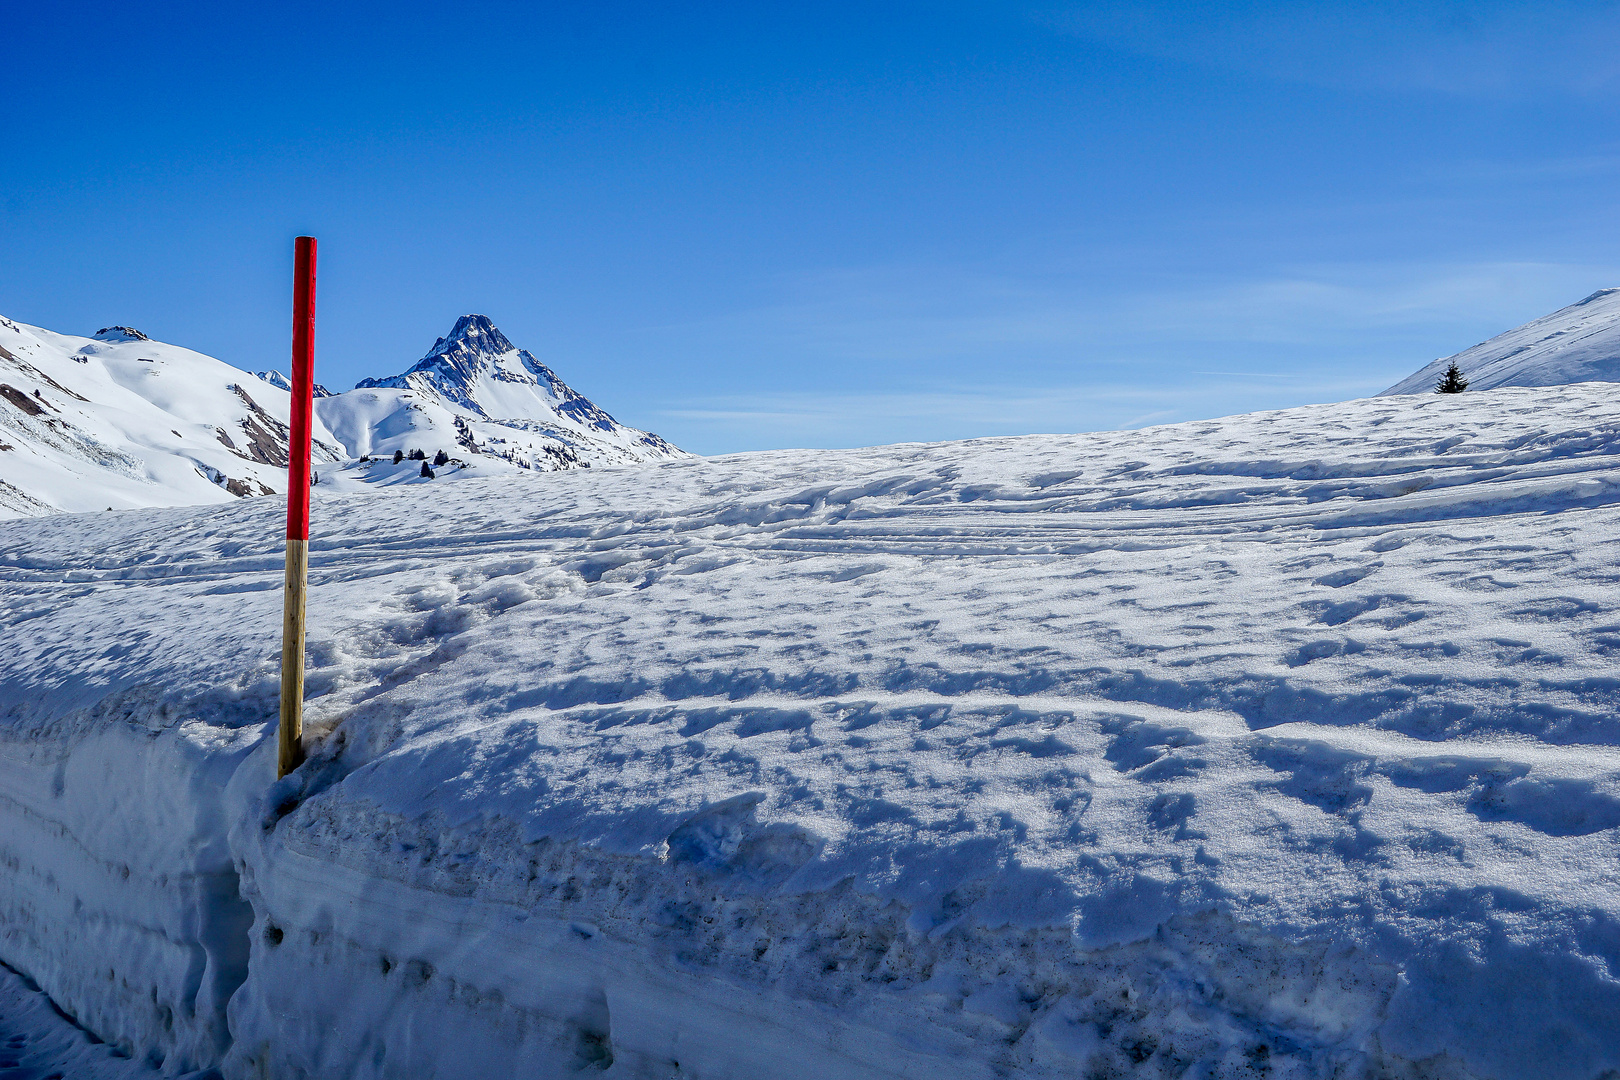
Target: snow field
{"type": "Point", "coordinates": [1279, 745]}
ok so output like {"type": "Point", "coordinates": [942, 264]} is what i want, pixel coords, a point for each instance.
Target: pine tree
{"type": "Point", "coordinates": [1452, 382]}
{"type": "Point", "coordinates": [399, 456]}
{"type": "Point", "coordinates": [427, 472]}
{"type": "Point", "coordinates": [441, 458]}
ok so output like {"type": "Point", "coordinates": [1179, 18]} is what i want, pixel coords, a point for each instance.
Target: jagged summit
{"type": "Point", "coordinates": [476, 349]}
{"type": "Point", "coordinates": [479, 369]}
{"type": "Point", "coordinates": [120, 333]}
{"type": "Point", "coordinates": [475, 333]}
{"type": "Point", "coordinates": [477, 393]}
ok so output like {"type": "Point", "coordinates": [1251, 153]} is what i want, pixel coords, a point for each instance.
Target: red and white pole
{"type": "Point", "coordinates": [290, 742]}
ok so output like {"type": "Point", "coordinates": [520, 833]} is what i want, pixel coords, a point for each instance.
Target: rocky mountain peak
{"type": "Point", "coordinates": [277, 379]}
{"type": "Point", "coordinates": [120, 333]}
{"type": "Point", "coordinates": [474, 333]}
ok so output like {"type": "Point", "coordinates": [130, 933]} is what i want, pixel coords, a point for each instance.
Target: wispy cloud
{"type": "Point", "coordinates": [903, 313]}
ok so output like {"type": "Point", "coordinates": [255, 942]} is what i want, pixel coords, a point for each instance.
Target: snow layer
{"type": "Point", "coordinates": [1279, 745]}
{"type": "Point", "coordinates": [1579, 343]}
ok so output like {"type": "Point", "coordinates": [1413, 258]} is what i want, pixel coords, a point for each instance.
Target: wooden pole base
{"type": "Point", "coordinates": [291, 742]}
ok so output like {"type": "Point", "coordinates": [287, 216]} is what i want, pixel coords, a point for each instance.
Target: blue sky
{"type": "Point", "coordinates": [761, 225]}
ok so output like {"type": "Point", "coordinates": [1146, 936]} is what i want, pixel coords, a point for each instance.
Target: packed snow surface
{"type": "Point", "coordinates": [1579, 343]}
{"type": "Point", "coordinates": [1282, 745]}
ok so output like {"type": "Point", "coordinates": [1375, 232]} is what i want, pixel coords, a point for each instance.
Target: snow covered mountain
{"type": "Point", "coordinates": [1281, 746]}
{"type": "Point", "coordinates": [276, 378]}
{"type": "Point", "coordinates": [1579, 343]}
{"type": "Point", "coordinates": [477, 393]}
{"type": "Point", "coordinates": [118, 420]}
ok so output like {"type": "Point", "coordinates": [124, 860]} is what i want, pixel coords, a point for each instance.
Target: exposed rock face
{"type": "Point", "coordinates": [120, 333]}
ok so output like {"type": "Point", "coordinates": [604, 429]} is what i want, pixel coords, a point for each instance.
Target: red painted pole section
{"type": "Point", "coordinates": [303, 388]}
{"type": "Point", "coordinates": [290, 735]}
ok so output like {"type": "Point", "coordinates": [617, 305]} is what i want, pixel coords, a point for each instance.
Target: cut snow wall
{"type": "Point", "coordinates": [120, 896]}
{"type": "Point", "coordinates": [382, 947]}
{"type": "Point", "coordinates": [388, 947]}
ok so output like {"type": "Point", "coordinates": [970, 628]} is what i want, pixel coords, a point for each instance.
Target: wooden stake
{"type": "Point", "coordinates": [291, 732]}
{"type": "Point", "coordinates": [291, 746]}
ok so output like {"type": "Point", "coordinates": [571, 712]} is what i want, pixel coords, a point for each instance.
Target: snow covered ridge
{"type": "Point", "coordinates": [118, 420]}
{"type": "Point", "coordinates": [1283, 745]}
{"type": "Point", "coordinates": [1579, 343]}
{"type": "Point", "coordinates": [276, 378]}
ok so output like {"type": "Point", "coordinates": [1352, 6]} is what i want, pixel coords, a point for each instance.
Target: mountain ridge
{"type": "Point", "coordinates": [1577, 343]}
{"type": "Point", "coordinates": [119, 420]}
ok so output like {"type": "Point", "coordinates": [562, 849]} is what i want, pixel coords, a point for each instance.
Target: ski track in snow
{"type": "Point", "coordinates": [1286, 740]}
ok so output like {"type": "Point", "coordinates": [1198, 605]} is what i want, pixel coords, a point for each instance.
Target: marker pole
{"type": "Point", "coordinates": [291, 747]}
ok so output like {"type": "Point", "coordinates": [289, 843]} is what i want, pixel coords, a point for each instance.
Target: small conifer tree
{"type": "Point", "coordinates": [427, 472]}
{"type": "Point", "coordinates": [399, 456]}
{"type": "Point", "coordinates": [1452, 382]}
{"type": "Point", "coordinates": [441, 458]}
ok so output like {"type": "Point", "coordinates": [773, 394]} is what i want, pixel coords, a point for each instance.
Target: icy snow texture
{"type": "Point", "coordinates": [119, 421]}
{"type": "Point", "coordinates": [1579, 343]}
{"type": "Point", "coordinates": [1279, 745]}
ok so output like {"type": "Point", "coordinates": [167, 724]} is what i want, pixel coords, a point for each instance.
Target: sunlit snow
{"type": "Point", "coordinates": [1278, 745]}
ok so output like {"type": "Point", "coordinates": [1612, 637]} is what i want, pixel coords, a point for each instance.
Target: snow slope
{"type": "Point", "coordinates": [119, 421]}
{"type": "Point", "coordinates": [1579, 343]}
{"type": "Point", "coordinates": [1282, 745]}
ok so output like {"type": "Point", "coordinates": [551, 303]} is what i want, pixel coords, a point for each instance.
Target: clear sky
{"type": "Point", "coordinates": [780, 224]}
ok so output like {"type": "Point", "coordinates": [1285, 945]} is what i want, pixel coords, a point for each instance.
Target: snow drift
{"type": "Point", "coordinates": [1283, 745]}
{"type": "Point", "coordinates": [1579, 343]}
